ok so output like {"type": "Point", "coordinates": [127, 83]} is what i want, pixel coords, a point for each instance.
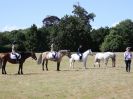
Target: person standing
{"type": "Point", "coordinates": [128, 58]}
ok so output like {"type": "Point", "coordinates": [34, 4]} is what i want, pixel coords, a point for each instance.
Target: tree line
{"type": "Point", "coordinates": [69, 32]}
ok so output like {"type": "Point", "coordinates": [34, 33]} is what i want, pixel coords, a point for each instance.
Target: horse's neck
{"type": "Point", "coordinates": [27, 55]}
{"type": "Point", "coordinates": [60, 55]}
{"type": "Point", "coordinates": [85, 54]}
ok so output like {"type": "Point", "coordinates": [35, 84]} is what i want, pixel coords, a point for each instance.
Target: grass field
{"type": "Point", "coordinates": [92, 83]}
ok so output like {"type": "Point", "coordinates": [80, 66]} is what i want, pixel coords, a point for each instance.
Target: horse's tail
{"type": "Point", "coordinates": [39, 61]}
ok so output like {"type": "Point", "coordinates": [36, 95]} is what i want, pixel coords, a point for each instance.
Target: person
{"type": "Point", "coordinates": [14, 51]}
{"type": "Point", "coordinates": [128, 57]}
{"type": "Point", "coordinates": [52, 47]}
{"type": "Point", "coordinates": [52, 50]}
{"type": "Point", "coordinates": [80, 52]}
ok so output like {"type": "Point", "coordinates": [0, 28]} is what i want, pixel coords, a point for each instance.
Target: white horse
{"type": "Point", "coordinates": [76, 57]}
{"type": "Point", "coordinates": [105, 57]}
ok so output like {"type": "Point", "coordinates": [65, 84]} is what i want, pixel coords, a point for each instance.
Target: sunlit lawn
{"type": "Point", "coordinates": [93, 83]}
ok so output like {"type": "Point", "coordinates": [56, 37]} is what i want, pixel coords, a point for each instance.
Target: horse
{"type": "Point", "coordinates": [45, 56]}
{"type": "Point", "coordinates": [0, 61]}
{"type": "Point", "coordinates": [105, 56]}
{"type": "Point", "coordinates": [7, 57]}
{"type": "Point", "coordinates": [76, 57]}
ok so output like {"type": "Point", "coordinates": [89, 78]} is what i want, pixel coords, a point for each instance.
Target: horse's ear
{"type": "Point", "coordinates": [32, 51]}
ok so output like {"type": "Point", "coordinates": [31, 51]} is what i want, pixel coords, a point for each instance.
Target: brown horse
{"type": "Point", "coordinates": [5, 57]}
{"type": "Point", "coordinates": [45, 56]}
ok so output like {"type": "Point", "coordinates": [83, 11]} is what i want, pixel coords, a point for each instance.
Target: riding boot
{"type": "Point", "coordinates": [17, 59]}
{"type": "Point", "coordinates": [80, 57]}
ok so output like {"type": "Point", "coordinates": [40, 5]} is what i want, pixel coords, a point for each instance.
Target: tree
{"type": "Point", "coordinates": [43, 39]}
{"type": "Point", "coordinates": [98, 36]}
{"type": "Point", "coordinates": [119, 37]}
{"type": "Point", "coordinates": [83, 15]}
{"type": "Point", "coordinates": [31, 38]}
{"type": "Point", "coordinates": [50, 21]}
{"type": "Point", "coordinates": [72, 33]}
{"type": "Point", "coordinates": [112, 43]}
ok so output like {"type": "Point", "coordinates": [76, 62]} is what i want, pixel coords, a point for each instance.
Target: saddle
{"type": "Point", "coordinates": [15, 56]}
{"type": "Point", "coordinates": [80, 56]}
{"type": "Point", "coordinates": [53, 55]}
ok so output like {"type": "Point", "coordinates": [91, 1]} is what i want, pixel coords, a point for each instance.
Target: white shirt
{"type": "Point", "coordinates": [127, 55]}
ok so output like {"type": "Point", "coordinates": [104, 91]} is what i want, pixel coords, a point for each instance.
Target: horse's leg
{"type": "Point", "coordinates": [47, 65]}
{"type": "Point", "coordinates": [43, 64]}
{"type": "Point", "coordinates": [21, 68]}
{"type": "Point", "coordinates": [95, 62]}
{"type": "Point", "coordinates": [73, 64]}
{"type": "Point", "coordinates": [106, 62]}
{"type": "Point", "coordinates": [99, 63]}
{"type": "Point", "coordinates": [70, 64]}
{"type": "Point", "coordinates": [58, 66]}
{"type": "Point", "coordinates": [113, 62]}
{"type": "Point", "coordinates": [3, 67]}
{"type": "Point", "coordinates": [85, 64]}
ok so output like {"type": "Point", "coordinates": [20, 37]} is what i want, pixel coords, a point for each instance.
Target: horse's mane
{"type": "Point", "coordinates": [23, 53]}
{"type": "Point", "coordinates": [63, 50]}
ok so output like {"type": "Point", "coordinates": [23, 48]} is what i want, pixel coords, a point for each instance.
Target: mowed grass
{"type": "Point", "coordinates": [92, 83]}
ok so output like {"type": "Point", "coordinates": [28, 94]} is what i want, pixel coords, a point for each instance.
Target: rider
{"type": "Point", "coordinates": [52, 50]}
{"type": "Point", "coordinates": [14, 50]}
{"type": "Point", "coordinates": [80, 51]}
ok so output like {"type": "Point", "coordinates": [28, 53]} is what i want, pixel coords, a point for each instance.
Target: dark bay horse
{"type": "Point", "coordinates": [45, 56]}
{"type": "Point", "coordinates": [5, 57]}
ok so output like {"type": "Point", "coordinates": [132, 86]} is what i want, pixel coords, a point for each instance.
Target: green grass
{"type": "Point", "coordinates": [93, 83]}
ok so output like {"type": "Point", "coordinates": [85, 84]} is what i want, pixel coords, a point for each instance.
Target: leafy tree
{"type": "Point", "coordinates": [120, 37]}
{"type": "Point", "coordinates": [112, 43]}
{"type": "Point", "coordinates": [98, 36]}
{"type": "Point", "coordinates": [50, 21]}
{"type": "Point", "coordinates": [72, 33]}
{"type": "Point", "coordinates": [83, 15]}
{"type": "Point", "coordinates": [43, 39]}
{"type": "Point", "coordinates": [31, 38]}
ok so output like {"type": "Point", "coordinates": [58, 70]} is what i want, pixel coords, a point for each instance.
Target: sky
{"type": "Point", "coordinates": [21, 14]}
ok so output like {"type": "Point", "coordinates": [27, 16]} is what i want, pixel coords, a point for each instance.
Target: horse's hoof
{"type": "Point", "coordinates": [58, 70]}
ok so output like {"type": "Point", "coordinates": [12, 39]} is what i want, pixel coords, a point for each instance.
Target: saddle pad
{"type": "Point", "coordinates": [53, 55]}
{"type": "Point", "coordinates": [13, 56]}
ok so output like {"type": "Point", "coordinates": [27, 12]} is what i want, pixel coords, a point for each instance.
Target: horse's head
{"type": "Point", "coordinates": [33, 55]}
{"type": "Point", "coordinates": [69, 53]}
{"type": "Point", "coordinates": [90, 52]}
